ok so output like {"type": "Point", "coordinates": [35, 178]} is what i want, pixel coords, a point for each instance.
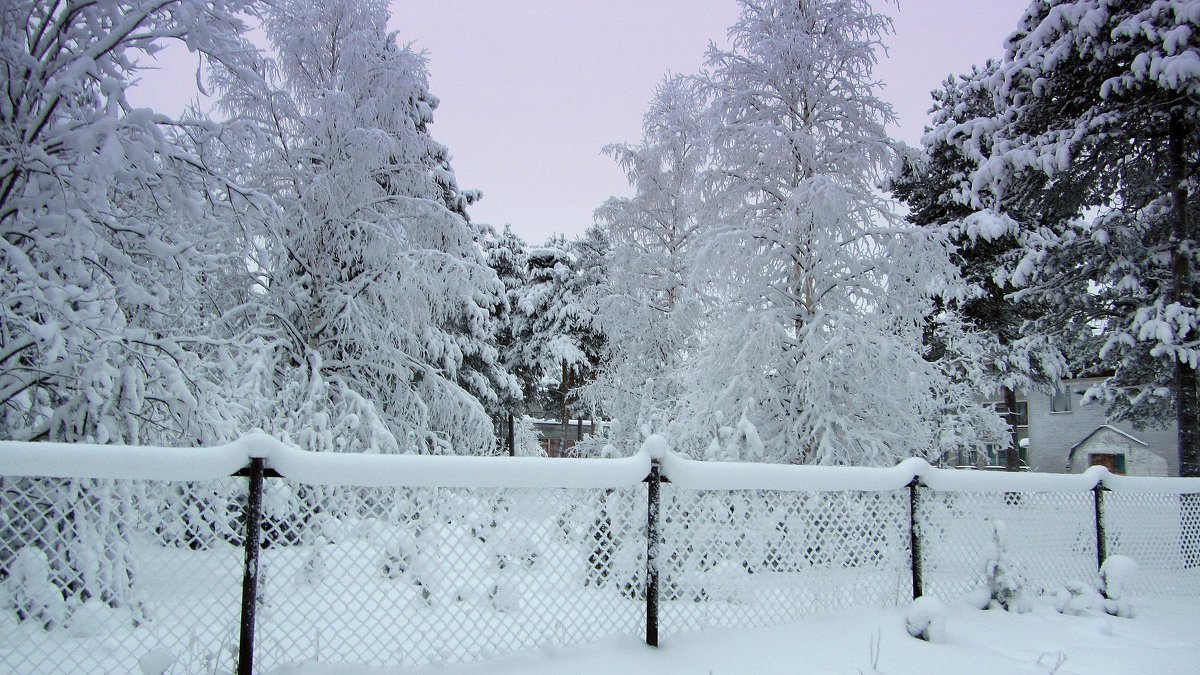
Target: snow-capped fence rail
{"type": "Point", "coordinates": [117, 559]}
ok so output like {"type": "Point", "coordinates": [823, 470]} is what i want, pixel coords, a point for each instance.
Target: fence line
{"type": "Point", "coordinates": [409, 560]}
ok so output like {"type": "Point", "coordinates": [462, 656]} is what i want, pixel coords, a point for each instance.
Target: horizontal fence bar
{"type": "Point", "coordinates": [62, 460]}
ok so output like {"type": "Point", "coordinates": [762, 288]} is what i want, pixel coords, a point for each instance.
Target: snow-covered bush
{"type": "Point", "coordinates": [739, 443]}
{"type": "Point", "coordinates": [31, 592]}
{"type": "Point", "coordinates": [526, 438]}
{"type": "Point", "coordinates": [513, 547]}
{"type": "Point", "coordinates": [1115, 574]}
{"type": "Point", "coordinates": [1077, 599]}
{"type": "Point", "coordinates": [925, 619]}
{"type": "Point", "coordinates": [403, 556]}
{"type": "Point", "coordinates": [95, 618]}
{"type": "Point", "coordinates": [1005, 582]}
{"type": "Point", "coordinates": [505, 595]}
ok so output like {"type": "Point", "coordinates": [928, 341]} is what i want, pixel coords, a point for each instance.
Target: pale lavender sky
{"type": "Point", "coordinates": [532, 90]}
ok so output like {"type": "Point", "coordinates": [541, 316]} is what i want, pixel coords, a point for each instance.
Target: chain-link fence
{"type": "Point", "coordinates": [407, 561]}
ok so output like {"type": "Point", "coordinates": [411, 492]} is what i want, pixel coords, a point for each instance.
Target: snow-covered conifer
{"type": "Point", "coordinates": [1094, 131]}
{"type": "Point", "coordinates": [373, 280]}
{"type": "Point", "coordinates": [1006, 355]}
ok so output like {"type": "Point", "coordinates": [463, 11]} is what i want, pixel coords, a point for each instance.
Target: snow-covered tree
{"type": "Point", "coordinates": [644, 307]}
{"type": "Point", "coordinates": [374, 285]}
{"type": "Point", "coordinates": [1095, 142]}
{"type": "Point", "coordinates": [553, 329]}
{"type": "Point", "coordinates": [931, 184]}
{"type": "Point", "coordinates": [106, 212]}
{"type": "Point", "coordinates": [819, 291]}
{"type": "Point", "coordinates": [507, 257]}
{"type": "Point", "coordinates": [115, 256]}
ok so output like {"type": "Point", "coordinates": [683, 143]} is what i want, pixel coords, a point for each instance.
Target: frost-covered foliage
{"type": "Point", "coordinates": [816, 293]}
{"type": "Point", "coordinates": [925, 619]}
{"type": "Point", "coordinates": [375, 296]}
{"type": "Point", "coordinates": [738, 443]}
{"type": "Point", "coordinates": [1085, 160]}
{"type": "Point", "coordinates": [1078, 599]}
{"type": "Point", "coordinates": [1116, 573]}
{"type": "Point", "coordinates": [1000, 351]}
{"type": "Point", "coordinates": [112, 227]}
{"type": "Point", "coordinates": [645, 309]}
{"type": "Point", "coordinates": [555, 340]}
{"type": "Point", "coordinates": [1005, 581]}
{"type": "Point", "coordinates": [119, 258]}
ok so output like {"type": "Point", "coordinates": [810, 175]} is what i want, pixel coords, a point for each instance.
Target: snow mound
{"type": "Point", "coordinates": [1115, 576]}
{"type": "Point", "coordinates": [925, 619]}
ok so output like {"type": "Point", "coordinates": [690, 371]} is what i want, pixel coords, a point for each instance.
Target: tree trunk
{"type": "Point", "coordinates": [512, 436]}
{"type": "Point", "coordinates": [1187, 407]}
{"type": "Point", "coordinates": [565, 418]}
{"type": "Point", "coordinates": [1012, 459]}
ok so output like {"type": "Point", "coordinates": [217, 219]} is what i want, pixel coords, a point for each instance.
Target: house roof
{"type": "Point", "coordinates": [1102, 427]}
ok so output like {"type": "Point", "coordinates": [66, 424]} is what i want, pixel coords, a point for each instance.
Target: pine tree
{"type": "Point", "coordinates": [507, 257]}
{"type": "Point", "coordinates": [932, 184]}
{"type": "Point", "coordinates": [553, 326]}
{"type": "Point", "coordinates": [1096, 109]}
{"type": "Point", "coordinates": [376, 291]}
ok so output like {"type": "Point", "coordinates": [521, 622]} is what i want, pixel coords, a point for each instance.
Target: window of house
{"type": "Point", "coordinates": [1061, 401]}
{"type": "Point", "coordinates": [997, 455]}
{"type": "Point", "coordinates": [1115, 463]}
{"type": "Point", "coordinates": [1022, 412]}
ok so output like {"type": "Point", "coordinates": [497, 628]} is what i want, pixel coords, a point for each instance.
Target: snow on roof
{"type": "Point", "coordinates": [1110, 428]}
{"type": "Point", "coordinates": [1102, 427]}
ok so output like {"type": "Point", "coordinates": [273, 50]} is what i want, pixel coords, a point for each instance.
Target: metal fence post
{"type": "Point", "coordinates": [1101, 538]}
{"type": "Point", "coordinates": [653, 483]}
{"type": "Point", "coordinates": [250, 571]}
{"type": "Point", "coordinates": [914, 538]}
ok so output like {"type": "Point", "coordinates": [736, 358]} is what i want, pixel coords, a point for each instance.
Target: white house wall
{"type": "Point", "coordinates": [1053, 434]}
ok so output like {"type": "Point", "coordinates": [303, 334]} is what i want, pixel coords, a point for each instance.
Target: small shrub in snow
{"type": "Point", "coordinates": [32, 594]}
{"type": "Point", "coordinates": [1115, 576]}
{"type": "Point", "coordinates": [1005, 582]}
{"type": "Point", "coordinates": [398, 552]}
{"type": "Point", "coordinates": [331, 528]}
{"type": "Point", "coordinates": [512, 548]}
{"type": "Point", "coordinates": [156, 662]}
{"type": "Point", "coordinates": [314, 568]}
{"type": "Point", "coordinates": [94, 618]}
{"type": "Point", "coordinates": [505, 596]}
{"type": "Point", "coordinates": [925, 619]}
{"type": "Point", "coordinates": [1078, 599]}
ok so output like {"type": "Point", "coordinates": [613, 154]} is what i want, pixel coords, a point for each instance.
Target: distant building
{"type": "Point", "coordinates": [1059, 433]}
{"type": "Point", "coordinates": [550, 435]}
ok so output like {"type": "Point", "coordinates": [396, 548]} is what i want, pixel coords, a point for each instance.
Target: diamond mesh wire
{"type": "Point", "coordinates": [102, 576]}
{"type": "Point", "coordinates": [99, 574]}
{"type": "Point", "coordinates": [1051, 538]}
{"type": "Point", "coordinates": [757, 557]}
{"type": "Point", "coordinates": [430, 575]}
{"type": "Point", "coordinates": [1161, 532]}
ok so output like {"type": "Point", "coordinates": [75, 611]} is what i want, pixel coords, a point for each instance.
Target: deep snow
{"type": "Point", "coordinates": [1161, 640]}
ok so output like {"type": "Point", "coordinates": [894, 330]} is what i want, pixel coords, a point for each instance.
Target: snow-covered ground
{"type": "Point", "coordinates": [1161, 639]}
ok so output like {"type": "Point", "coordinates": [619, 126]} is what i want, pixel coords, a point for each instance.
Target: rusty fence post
{"type": "Point", "coordinates": [653, 500]}
{"type": "Point", "coordinates": [914, 537]}
{"type": "Point", "coordinates": [253, 517]}
{"type": "Point", "coordinates": [1101, 537]}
